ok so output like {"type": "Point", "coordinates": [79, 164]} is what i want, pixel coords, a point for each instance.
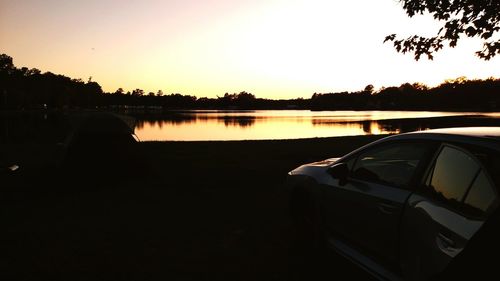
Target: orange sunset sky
{"type": "Point", "coordinates": [271, 48]}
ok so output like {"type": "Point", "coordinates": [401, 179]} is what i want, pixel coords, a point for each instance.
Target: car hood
{"type": "Point", "coordinates": [323, 163]}
{"type": "Point", "coordinates": [313, 168]}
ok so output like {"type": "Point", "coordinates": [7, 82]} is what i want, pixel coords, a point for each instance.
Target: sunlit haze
{"type": "Point", "coordinates": [271, 48]}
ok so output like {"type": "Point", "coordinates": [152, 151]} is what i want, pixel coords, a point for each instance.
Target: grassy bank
{"type": "Point", "coordinates": [224, 163]}
{"type": "Point", "coordinates": [206, 211]}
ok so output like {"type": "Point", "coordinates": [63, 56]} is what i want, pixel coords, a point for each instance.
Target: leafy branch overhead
{"type": "Point", "coordinates": [472, 18]}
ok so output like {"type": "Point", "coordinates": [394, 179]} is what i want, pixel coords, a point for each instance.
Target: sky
{"type": "Point", "coordinates": [271, 48]}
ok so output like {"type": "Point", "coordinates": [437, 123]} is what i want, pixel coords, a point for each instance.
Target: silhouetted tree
{"type": "Point", "coordinates": [369, 88]}
{"type": "Point", "coordinates": [138, 92]}
{"type": "Point", "coordinates": [6, 63]}
{"type": "Point", "coordinates": [420, 86]}
{"type": "Point", "coordinates": [472, 18]}
{"type": "Point", "coordinates": [119, 91]}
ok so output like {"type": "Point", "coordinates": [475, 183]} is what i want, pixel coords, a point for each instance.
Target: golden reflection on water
{"type": "Point", "coordinates": [232, 130]}
{"type": "Point", "coordinates": [277, 124]}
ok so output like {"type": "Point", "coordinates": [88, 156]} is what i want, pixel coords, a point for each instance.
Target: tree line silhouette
{"type": "Point", "coordinates": [455, 94]}
{"type": "Point", "coordinates": [25, 89]}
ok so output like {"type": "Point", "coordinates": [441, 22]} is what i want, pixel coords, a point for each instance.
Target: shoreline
{"type": "Point", "coordinates": [152, 111]}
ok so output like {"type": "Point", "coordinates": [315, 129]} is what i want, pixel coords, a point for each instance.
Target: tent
{"type": "Point", "coordinates": [101, 146]}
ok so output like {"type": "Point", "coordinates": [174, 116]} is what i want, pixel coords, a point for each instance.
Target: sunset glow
{"type": "Point", "coordinates": [272, 48]}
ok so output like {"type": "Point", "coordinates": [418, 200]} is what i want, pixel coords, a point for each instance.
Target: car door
{"type": "Point", "coordinates": [449, 208]}
{"type": "Point", "coordinates": [366, 210]}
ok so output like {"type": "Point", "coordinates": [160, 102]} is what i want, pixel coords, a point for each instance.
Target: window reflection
{"type": "Point", "coordinates": [481, 196]}
{"type": "Point", "coordinates": [453, 173]}
{"type": "Point", "coordinates": [394, 165]}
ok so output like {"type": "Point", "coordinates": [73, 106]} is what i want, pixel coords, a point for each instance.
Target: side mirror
{"type": "Point", "coordinates": [13, 168]}
{"type": "Point", "coordinates": [339, 171]}
{"type": "Point", "coordinates": [10, 169]}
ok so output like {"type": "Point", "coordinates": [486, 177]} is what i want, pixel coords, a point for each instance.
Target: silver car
{"type": "Point", "coordinates": [404, 206]}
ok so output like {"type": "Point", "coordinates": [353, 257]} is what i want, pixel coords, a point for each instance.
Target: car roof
{"type": "Point", "coordinates": [482, 136]}
{"type": "Point", "coordinates": [492, 133]}
{"type": "Point", "coordinates": [485, 132]}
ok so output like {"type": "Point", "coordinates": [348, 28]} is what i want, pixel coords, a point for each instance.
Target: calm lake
{"type": "Point", "coordinates": [199, 125]}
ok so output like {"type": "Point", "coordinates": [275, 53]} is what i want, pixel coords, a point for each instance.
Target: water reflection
{"type": "Point", "coordinates": [248, 125]}
{"type": "Point", "coordinates": [241, 122]}
{"type": "Point", "coordinates": [285, 124]}
{"type": "Point", "coordinates": [178, 120]}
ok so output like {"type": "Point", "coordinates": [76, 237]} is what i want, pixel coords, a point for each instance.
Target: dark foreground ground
{"type": "Point", "coordinates": [202, 211]}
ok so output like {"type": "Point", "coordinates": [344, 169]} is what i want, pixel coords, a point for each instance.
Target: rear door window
{"type": "Point", "coordinates": [459, 180]}
{"type": "Point", "coordinates": [453, 174]}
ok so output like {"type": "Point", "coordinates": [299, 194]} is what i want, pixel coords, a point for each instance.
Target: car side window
{"type": "Point", "coordinates": [459, 180]}
{"type": "Point", "coordinates": [453, 174]}
{"type": "Point", "coordinates": [350, 163]}
{"type": "Point", "coordinates": [390, 164]}
{"type": "Point", "coordinates": [481, 197]}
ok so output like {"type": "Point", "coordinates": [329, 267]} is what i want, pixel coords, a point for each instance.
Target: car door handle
{"type": "Point", "coordinates": [445, 242]}
{"type": "Point", "coordinates": [387, 208]}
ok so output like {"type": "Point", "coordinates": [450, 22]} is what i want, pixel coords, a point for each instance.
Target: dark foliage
{"type": "Point", "coordinates": [472, 18]}
{"type": "Point", "coordinates": [458, 94]}
{"type": "Point", "coordinates": [25, 89]}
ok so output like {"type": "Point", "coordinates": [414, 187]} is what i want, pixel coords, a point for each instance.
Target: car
{"type": "Point", "coordinates": [404, 206]}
